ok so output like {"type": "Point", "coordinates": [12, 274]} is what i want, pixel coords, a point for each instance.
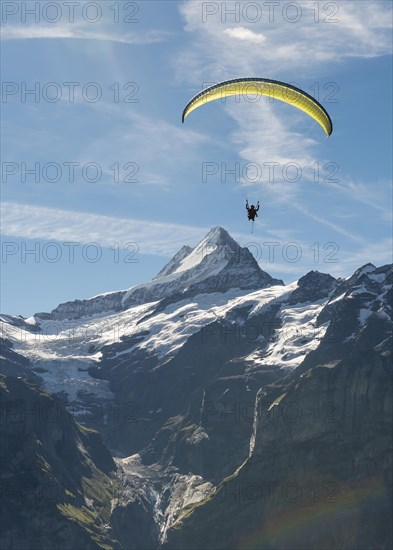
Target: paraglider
{"type": "Point", "coordinates": [264, 87]}
{"type": "Point", "coordinates": [252, 213]}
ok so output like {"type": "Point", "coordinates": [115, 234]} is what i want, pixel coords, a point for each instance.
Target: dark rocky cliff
{"type": "Point", "coordinates": [57, 477]}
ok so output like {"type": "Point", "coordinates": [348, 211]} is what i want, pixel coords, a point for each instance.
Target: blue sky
{"type": "Point", "coordinates": [122, 184]}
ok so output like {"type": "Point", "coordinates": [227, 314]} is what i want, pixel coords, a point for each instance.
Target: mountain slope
{"type": "Point", "coordinates": [184, 376]}
{"type": "Point", "coordinates": [319, 470]}
{"type": "Point", "coordinates": [56, 476]}
{"type": "Point", "coordinates": [319, 475]}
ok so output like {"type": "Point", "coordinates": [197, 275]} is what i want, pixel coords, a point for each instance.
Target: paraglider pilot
{"type": "Point", "coordinates": [252, 211]}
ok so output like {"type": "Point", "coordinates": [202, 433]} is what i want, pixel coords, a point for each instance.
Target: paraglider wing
{"type": "Point", "coordinates": [263, 86]}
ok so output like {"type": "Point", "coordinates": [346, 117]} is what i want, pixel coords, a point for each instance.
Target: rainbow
{"type": "Point", "coordinates": [285, 525]}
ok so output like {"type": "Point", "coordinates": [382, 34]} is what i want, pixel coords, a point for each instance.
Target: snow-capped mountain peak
{"type": "Point", "coordinates": [216, 264]}
{"type": "Point", "coordinates": [217, 242]}
{"type": "Point", "coordinates": [364, 270]}
{"type": "Point", "coordinates": [220, 237]}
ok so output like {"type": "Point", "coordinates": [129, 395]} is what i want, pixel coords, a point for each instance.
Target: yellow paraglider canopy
{"type": "Point", "coordinates": [263, 86]}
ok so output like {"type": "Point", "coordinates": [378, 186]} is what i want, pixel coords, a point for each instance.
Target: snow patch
{"type": "Point", "coordinates": [377, 277]}
{"type": "Point", "coordinates": [364, 314]}
{"type": "Point", "coordinates": [297, 336]}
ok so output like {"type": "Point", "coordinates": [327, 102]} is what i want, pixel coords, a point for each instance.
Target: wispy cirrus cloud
{"type": "Point", "coordinates": [377, 195]}
{"type": "Point", "coordinates": [23, 32]}
{"type": "Point", "coordinates": [317, 36]}
{"type": "Point", "coordinates": [379, 253]}
{"type": "Point", "coordinates": [265, 134]}
{"type": "Point", "coordinates": [332, 225]}
{"type": "Point", "coordinates": [162, 151]}
{"type": "Point", "coordinates": [38, 222]}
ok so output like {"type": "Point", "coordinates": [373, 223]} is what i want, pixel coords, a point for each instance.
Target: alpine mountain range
{"type": "Point", "coordinates": [213, 407]}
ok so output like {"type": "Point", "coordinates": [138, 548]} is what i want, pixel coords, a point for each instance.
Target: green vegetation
{"type": "Point", "coordinates": [83, 515]}
{"type": "Point", "coordinates": [45, 466]}
{"type": "Point", "coordinates": [88, 520]}
{"type": "Point", "coordinates": [101, 490]}
{"type": "Point", "coordinates": [188, 510]}
{"type": "Point", "coordinates": [85, 429]}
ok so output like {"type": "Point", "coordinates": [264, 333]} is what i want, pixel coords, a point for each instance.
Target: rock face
{"type": "Point", "coordinates": [51, 470]}
{"type": "Point", "coordinates": [13, 363]}
{"type": "Point", "coordinates": [81, 308]}
{"type": "Point", "coordinates": [133, 521]}
{"type": "Point", "coordinates": [313, 286]}
{"type": "Point", "coordinates": [319, 473]}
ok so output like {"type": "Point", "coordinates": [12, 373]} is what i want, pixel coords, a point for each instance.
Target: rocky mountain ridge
{"type": "Point", "coordinates": [217, 263]}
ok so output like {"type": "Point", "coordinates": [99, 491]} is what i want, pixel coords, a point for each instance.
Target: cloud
{"type": "Point", "coordinates": [377, 195]}
{"type": "Point", "coordinates": [342, 231]}
{"type": "Point", "coordinates": [379, 253]}
{"type": "Point", "coordinates": [307, 43]}
{"type": "Point", "coordinates": [38, 222]}
{"type": "Point", "coordinates": [15, 32]}
{"type": "Point", "coordinates": [163, 150]}
{"type": "Point", "coordinates": [241, 33]}
{"type": "Point", "coordinates": [271, 132]}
